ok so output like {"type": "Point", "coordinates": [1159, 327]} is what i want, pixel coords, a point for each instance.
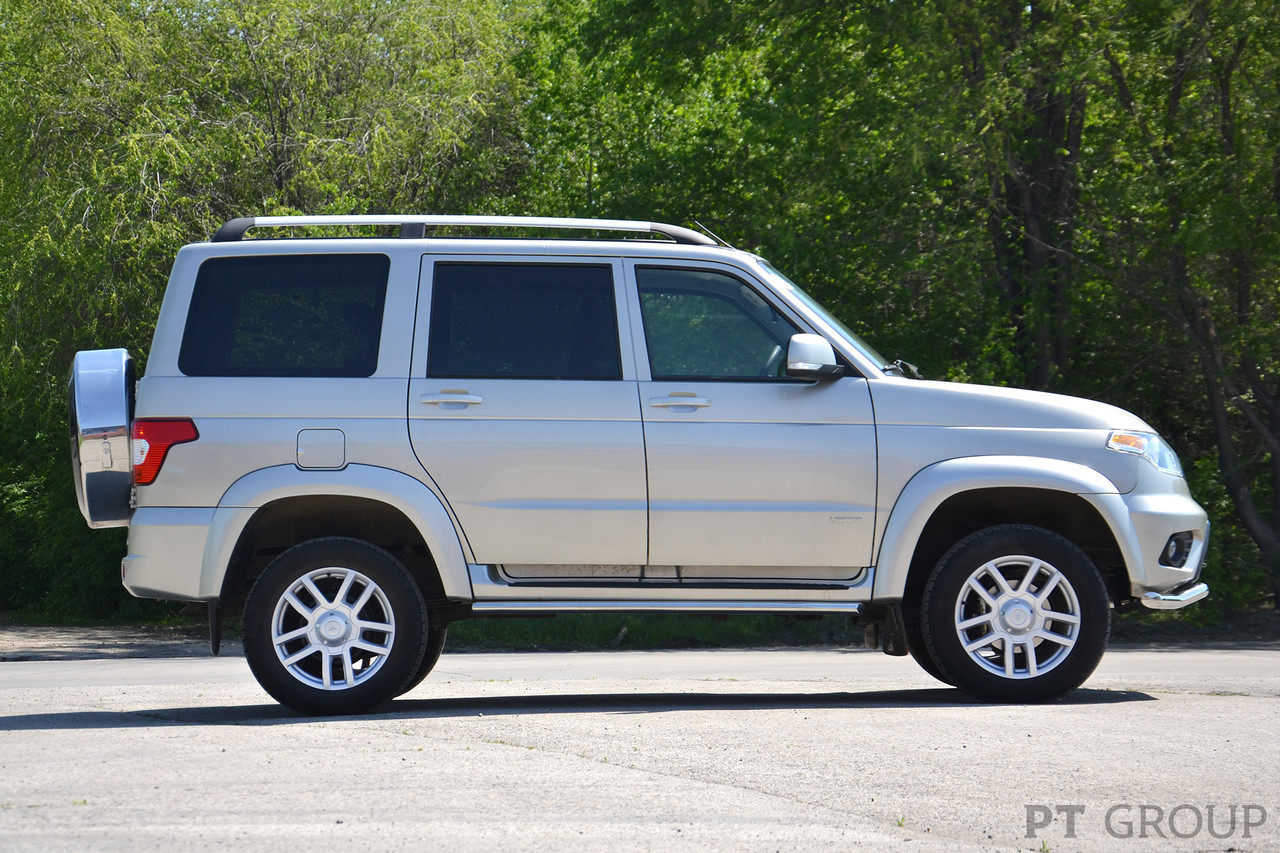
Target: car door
{"type": "Point", "coordinates": [523, 411]}
{"type": "Point", "coordinates": [751, 474]}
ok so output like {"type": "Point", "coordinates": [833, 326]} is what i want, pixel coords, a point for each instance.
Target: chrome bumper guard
{"type": "Point", "coordinates": [1173, 600]}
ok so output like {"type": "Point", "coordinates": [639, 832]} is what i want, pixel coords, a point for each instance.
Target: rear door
{"type": "Point", "coordinates": [523, 410]}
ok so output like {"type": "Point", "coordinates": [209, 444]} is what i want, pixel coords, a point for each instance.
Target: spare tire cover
{"type": "Point", "coordinates": [100, 399]}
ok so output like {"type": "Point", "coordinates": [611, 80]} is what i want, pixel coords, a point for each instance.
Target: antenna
{"type": "Point", "coordinates": [713, 235]}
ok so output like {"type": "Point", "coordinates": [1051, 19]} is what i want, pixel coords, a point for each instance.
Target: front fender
{"type": "Point", "coordinates": [932, 486]}
{"type": "Point", "coordinates": [417, 502]}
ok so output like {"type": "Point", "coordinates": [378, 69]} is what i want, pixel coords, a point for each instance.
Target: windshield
{"type": "Point", "coordinates": [786, 284]}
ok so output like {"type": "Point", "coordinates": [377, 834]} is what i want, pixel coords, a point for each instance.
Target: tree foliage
{"type": "Point", "coordinates": [128, 129]}
{"type": "Point", "coordinates": [1069, 194]}
{"type": "Point", "coordinates": [1074, 195]}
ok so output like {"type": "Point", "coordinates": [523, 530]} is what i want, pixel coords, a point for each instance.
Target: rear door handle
{"type": "Point", "coordinates": [677, 402]}
{"type": "Point", "coordinates": [451, 400]}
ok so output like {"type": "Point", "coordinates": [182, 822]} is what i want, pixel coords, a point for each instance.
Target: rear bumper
{"type": "Point", "coordinates": [166, 553]}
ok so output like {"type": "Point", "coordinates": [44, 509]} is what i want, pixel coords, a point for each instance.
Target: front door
{"type": "Point", "coordinates": [752, 475]}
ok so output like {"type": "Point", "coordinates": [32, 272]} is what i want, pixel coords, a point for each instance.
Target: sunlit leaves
{"type": "Point", "coordinates": [129, 129]}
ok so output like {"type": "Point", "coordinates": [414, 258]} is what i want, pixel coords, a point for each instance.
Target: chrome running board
{"type": "Point", "coordinates": [494, 597]}
{"type": "Point", "coordinates": [529, 607]}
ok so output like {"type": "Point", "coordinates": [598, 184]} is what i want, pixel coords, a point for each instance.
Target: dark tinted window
{"type": "Point", "coordinates": [700, 324]}
{"type": "Point", "coordinates": [526, 321]}
{"type": "Point", "coordinates": [286, 315]}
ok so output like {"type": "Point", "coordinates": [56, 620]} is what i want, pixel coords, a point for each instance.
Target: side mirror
{"type": "Point", "coordinates": [811, 357]}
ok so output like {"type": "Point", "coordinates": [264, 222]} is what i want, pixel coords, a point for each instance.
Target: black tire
{"type": "Point", "coordinates": [1016, 613]}
{"type": "Point", "coordinates": [916, 646]}
{"type": "Point", "coordinates": [334, 626]}
{"type": "Point", "coordinates": [431, 656]}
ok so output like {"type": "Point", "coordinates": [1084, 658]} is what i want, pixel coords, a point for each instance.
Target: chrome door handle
{"type": "Point", "coordinates": [451, 398]}
{"type": "Point", "coordinates": [676, 401]}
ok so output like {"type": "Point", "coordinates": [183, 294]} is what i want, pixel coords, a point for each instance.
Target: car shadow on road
{"type": "Point", "coordinates": [605, 703]}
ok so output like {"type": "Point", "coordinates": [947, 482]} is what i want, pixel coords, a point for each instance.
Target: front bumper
{"type": "Point", "coordinates": [1189, 594]}
{"type": "Point", "coordinates": [1163, 536]}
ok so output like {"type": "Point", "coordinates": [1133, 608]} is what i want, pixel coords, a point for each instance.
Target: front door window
{"type": "Point", "coordinates": [708, 325]}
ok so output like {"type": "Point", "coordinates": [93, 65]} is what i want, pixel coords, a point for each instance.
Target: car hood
{"type": "Point", "coordinates": [922, 403]}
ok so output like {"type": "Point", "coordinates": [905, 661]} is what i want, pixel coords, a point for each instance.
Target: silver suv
{"type": "Point", "coordinates": [364, 439]}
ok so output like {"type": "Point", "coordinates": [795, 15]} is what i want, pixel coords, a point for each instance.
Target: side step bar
{"type": "Point", "coordinates": [529, 607]}
{"type": "Point", "coordinates": [493, 597]}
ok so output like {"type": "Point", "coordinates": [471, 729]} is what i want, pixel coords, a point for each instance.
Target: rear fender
{"type": "Point", "coordinates": [409, 496]}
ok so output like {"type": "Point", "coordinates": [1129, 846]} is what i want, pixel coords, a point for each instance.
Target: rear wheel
{"type": "Point", "coordinates": [430, 657]}
{"type": "Point", "coordinates": [1016, 614]}
{"type": "Point", "coordinates": [334, 626]}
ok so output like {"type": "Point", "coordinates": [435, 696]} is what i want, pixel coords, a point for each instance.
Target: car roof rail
{"type": "Point", "coordinates": [415, 227]}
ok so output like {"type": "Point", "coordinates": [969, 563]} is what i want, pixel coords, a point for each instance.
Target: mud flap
{"type": "Point", "coordinates": [886, 629]}
{"type": "Point", "coordinates": [215, 627]}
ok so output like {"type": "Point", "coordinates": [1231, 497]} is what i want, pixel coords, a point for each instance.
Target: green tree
{"type": "Point", "coordinates": [1195, 231]}
{"type": "Point", "coordinates": [129, 129]}
{"type": "Point", "coordinates": [1068, 195]}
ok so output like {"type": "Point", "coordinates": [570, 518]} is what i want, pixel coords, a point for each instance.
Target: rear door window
{"type": "Point", "coordinates": [523, 321]}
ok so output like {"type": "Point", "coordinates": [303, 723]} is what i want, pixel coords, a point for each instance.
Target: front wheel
{"type": "Point", "coordinates": [1016, 613]}
{"type": "Point", "coordinates": [917, 647]}
{"type": "Point", "coordinates": [334, 626]}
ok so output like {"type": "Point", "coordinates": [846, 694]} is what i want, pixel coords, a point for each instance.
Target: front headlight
{"type": "Point", "coordinates": [1147, 445]}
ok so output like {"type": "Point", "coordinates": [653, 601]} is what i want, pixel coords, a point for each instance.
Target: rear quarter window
{"type": "Point", "coordinates": [286, 315]}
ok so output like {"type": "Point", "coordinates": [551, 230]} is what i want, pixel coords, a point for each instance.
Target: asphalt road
{"type": "Point", "coordinates": [676, 750]}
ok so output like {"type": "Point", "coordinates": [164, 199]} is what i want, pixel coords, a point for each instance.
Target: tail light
{"type": "Point", "coordinates": [152, 438]}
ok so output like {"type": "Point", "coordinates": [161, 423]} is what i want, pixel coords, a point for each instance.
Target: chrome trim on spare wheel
{"type": "Point", "coordinates": [333, 628]}
{"type": "Point", "coordinates": [100, 399]}
{"type": "Point", "coordinates": [1017, 617]}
